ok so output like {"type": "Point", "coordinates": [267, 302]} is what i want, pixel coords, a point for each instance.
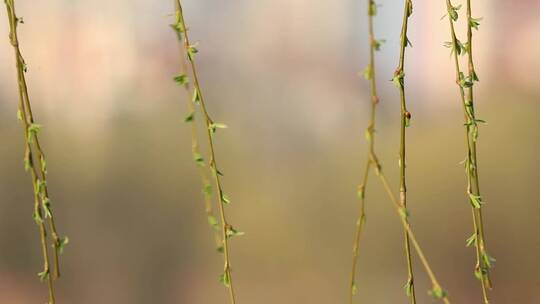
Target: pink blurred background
{"type": "Point", "coordinates": [285, 76]}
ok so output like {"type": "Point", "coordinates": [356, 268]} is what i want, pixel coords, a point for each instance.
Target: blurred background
{"type": "Point", "coordinates": [285, 75]}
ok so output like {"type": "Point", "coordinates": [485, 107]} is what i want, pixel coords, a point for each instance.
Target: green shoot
{"type": "Point", "coordinates": [43, 213]}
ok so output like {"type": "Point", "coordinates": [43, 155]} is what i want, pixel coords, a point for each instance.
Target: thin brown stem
{"type": "Point", "coordinates": [359, 227]}
{"type": "Point", "coordinates": [465, 84]}
{"type": "Point", "coordinates": [373, 162]}
{"type": "Point", "coordinates": [399, 77]}
{"type": "Point", "coordinates": [482, 266]}
{"type": "Point", "coordinates": [196, 151]}
{"type": "Point", "coordinates": [33, 151]}
{"type": "Point", "coordinates": [436, 286]}
{"type": "Point", "coordinates": [370, 135]}
{"type": "Point", "coordinates": [226, 228]}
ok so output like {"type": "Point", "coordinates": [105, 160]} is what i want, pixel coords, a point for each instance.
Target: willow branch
{"type": "Point", "coordinates": [437, 291]}
{"type": "Point", "coordinates": [372, 162]}
{"type": "Point", "coordinates": [211, 128]}
{"type": "Point", "coordinates": [370, 136]}
{"type": "Point", "coordinates": [399, 79]}
{"type": "Point", "coordinates": [183, 80]}
{"type": "Point", "coordinates": [465, 84]}
{"type": "Point", "coordinates": [43, 214]}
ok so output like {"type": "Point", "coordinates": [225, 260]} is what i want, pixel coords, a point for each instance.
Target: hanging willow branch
{"type": "Point", "coordinates": [34, 156]}
{"type": "Point", "coordinates": [399, 81]}
{"type": "Point", "coordinates": [465, 83]}
{"type": "Point", "coordinates": [183, 80]}
{"type": "Point", "coordinates": [372, 162]}
{"type": "Point", "coordinates": [227, 230]}
{"type": "Point", "coordinates": [436, 291]}
{"type": "Point", "coordinates": [369, 74]}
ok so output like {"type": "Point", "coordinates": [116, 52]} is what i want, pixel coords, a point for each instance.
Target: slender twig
{"type": "Point", "coordinates": [465, 84]}
{"type": "Point", "coordinates": [437, 291]}
{"type": "Point", "coordinates": [373, 162]}
{"type": "Point", "coordinates": [183, 80]}
{"type": "Point", "coordinates": [399, 80]}
{"type": "Point", "coordinates": [473, 136]}
{"type": "Point", "coordinates": [42, 205]}
{"type": "Point", "coordinates": [369, 74]}
{"type": "Point", "coordinates": [211, 127]}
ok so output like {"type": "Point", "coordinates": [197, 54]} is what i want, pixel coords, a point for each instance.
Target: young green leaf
{"type": "Point", "coordinates": [230, 232]}
{"type": "Point", "coordinates": [40, 187]}
{"type": "Point", "coordinates": [475, 76]}
{"type": "Point", "coordinates": [474, 22]}
{"type": "Point", "coordinates": [189, 117]}
{"type": "Point", "coordinates": [459, 48]}
{"type": "Point", "coordinates": [225, 199]}
{"type": "Point", "coordinates": [479, 121]}
{"type": "Point", "coordinates": [191, 51]}
{"type": "Point", "coordinates": [47, 207]}
{"type": "Point", "coordinates": [196, 96]}
{"type": "Point", "coordinates": [368, 72]}
{"type": "Point", "coordinates": [361, 191]}
{"type": "Point", "coordinates": [471, 240]}
{"type": "Point", "coordinates": [408, 287]}
{"type": "Point", "coordinates": [452, 12]}
{"type": "Point", "coordinates": [377, 44]}
{"type": "Point", "coordinates": [34, 128]}
{"type": "Point", "coordinates": [28, 164]}
{"type": "Point", "coordinates": [448, 44]}
{"type": "Point", "coordinates": [216, 171]}
{"type": "Point", "coordinates": [181, 79]}
{"type": "Point", "coordinates": [33, 131]}
{"type": "Point", "coordinates": [476, 200]}
{"type": "Point", "coordinates": [207, 189]}
{"type": "Point", "coordinates": [43, 164]}
{"type": "Point", "coordinates": [488, 260]}
{"type": "Point", "coordinates": [37, 217]}
{"type": "Point", "coordinates": [198, 159]}
{"type": "Point", "coordinates": [480, 272]}
{"type": "Point", "coordinates": [466, 82]}
{"type": "Point", "coordinates": [220, 125]}
{"type": "Point", "coordinates": [177, 26]}
{"type": "Point", "coordinates": [465, 48]}
{"type": "Point", "coordinates": [213, 221]}
{"type": "Point", "coordinates": [44, 275]}
{"type": "Point", "coordinates": [398, 79]}
{"type": "Point", "coordinates": [214, 126]}
{"type": "Point", "coordinates": [408, 42]}
{"type": "Point", "coordinates": [225, 278]}
{"type": "Point", "coordinates": [438, 293]}
{"type": "Point", "coordinates": [61, 245]}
